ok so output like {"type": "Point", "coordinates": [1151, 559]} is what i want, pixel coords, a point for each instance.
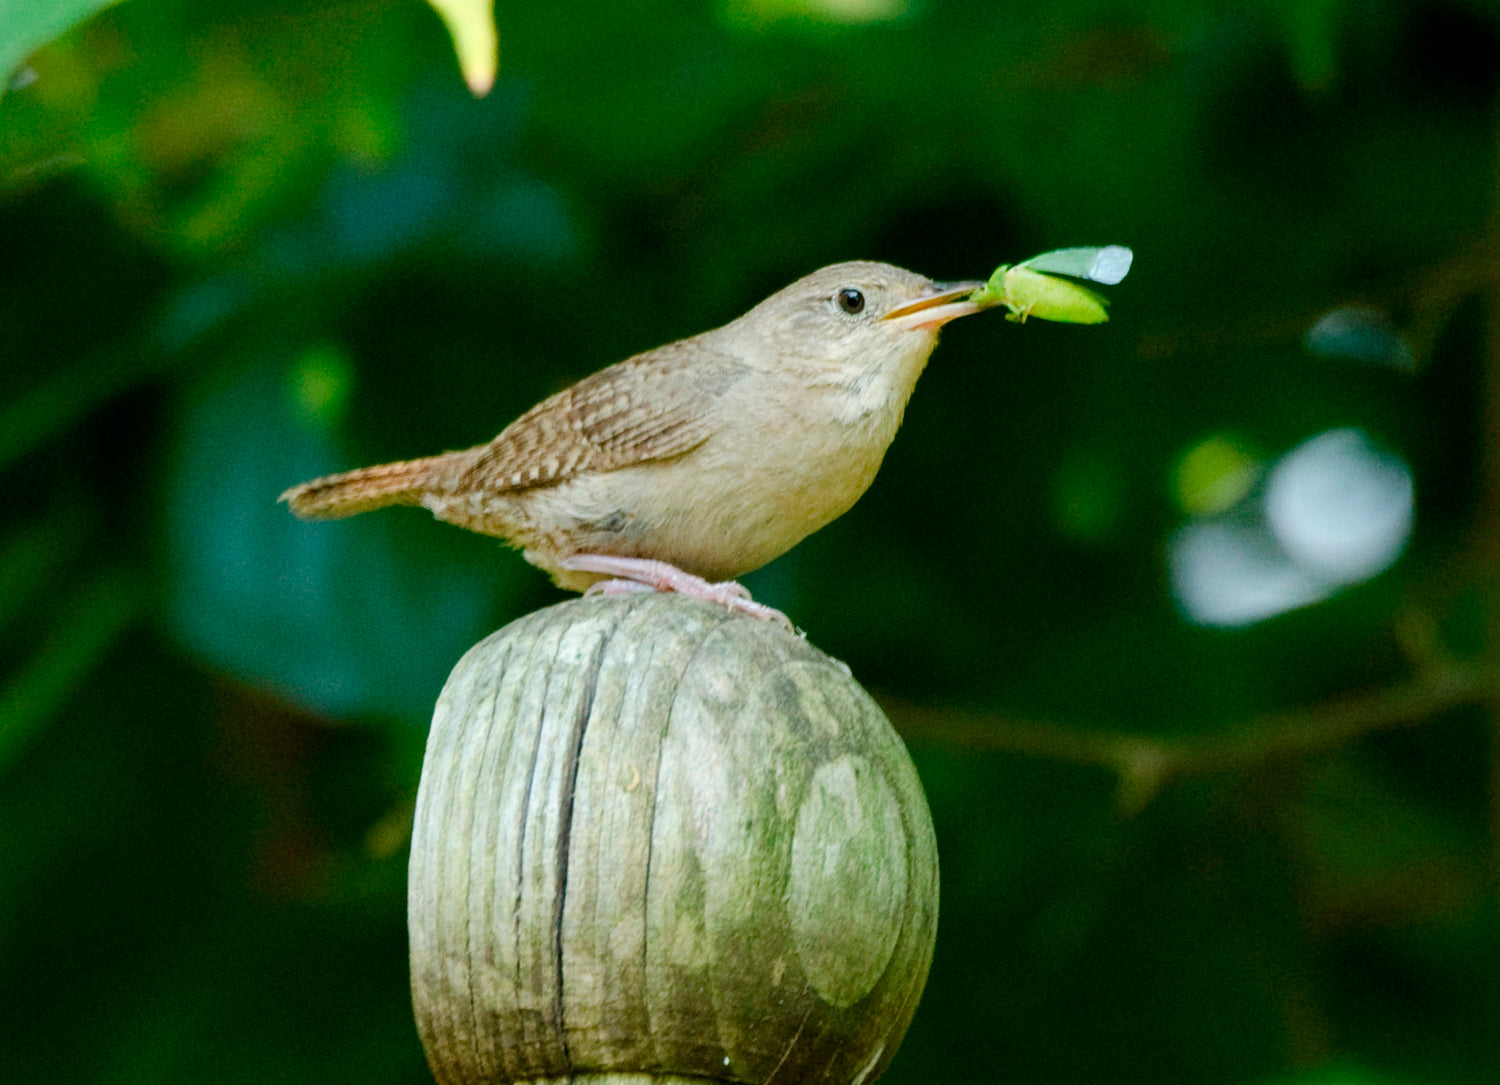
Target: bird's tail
{"type": "Point", "coordinates": [335, 496]}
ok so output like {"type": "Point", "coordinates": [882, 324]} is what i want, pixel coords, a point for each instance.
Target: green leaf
{"type": "Point", "coordinates": [1214, 475]}
{"type": "Point", "coordinates": [27, 25]}
{"type": "Point", "coordinates": [471, 25]}
{"type": "Point", "coordinates": [347, 619]}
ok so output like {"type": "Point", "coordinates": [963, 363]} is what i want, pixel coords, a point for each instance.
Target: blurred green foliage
{"type": "Point", "coordinates": [250, 242]}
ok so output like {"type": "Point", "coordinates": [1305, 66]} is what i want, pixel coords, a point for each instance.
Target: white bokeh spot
{"type": "Point", "coordinates": [1336, 510]}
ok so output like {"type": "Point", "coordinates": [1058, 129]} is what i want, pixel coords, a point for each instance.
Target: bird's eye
{"type": "Point", "coordinates": [850, 300]}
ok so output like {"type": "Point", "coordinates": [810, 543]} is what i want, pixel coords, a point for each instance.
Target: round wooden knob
{"type": "Point", "coordinates": [653, 838]}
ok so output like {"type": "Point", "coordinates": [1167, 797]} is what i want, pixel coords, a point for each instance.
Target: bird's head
{"type": "Point", "coordinates": [864, 327]}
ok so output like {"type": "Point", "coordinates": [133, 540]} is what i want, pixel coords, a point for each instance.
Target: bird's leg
{"type": "Point", "coordinates": [618, 587]}
{"type": "Point", "coordinates": [645, 574]}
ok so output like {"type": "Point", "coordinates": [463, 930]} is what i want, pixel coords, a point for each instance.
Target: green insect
{"type": "Point", "coordinates": [1026, 291]}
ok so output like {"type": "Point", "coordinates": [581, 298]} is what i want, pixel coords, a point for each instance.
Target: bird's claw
{"type": "Point", "coordinates": [645, 574]}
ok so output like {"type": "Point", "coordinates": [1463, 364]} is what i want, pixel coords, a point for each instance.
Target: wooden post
{"type": "Point", "coordinates": [654, 838]}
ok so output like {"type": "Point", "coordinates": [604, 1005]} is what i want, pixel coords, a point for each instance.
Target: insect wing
{"type": "Point", "coordinates": [1107, 265]}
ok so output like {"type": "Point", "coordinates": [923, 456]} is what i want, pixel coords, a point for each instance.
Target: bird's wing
{"type": "Point", "coordinates": [650, 407]}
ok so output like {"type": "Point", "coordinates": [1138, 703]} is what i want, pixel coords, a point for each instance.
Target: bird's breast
{"type": "Point", "coordinates": [738, 501]}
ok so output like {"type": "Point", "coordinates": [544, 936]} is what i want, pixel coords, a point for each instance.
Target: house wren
{"type": "Point", "coordinates": [686, 466]}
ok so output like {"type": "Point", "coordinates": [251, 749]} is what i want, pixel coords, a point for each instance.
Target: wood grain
{"type": "Point", "coordinates": [653, 838]}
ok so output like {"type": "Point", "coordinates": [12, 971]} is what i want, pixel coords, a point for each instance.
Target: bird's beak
{"type": "Point", "coordinates": [935, 306]}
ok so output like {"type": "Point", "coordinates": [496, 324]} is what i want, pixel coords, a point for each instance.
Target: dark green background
{"type": "Point", "coordinates": [245, 243]}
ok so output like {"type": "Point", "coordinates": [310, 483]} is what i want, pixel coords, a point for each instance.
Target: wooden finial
{"type": "Point", "coordinates": [655, 838]}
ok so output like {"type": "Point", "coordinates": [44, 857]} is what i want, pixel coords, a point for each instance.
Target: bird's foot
{"type": "Point", "coordinates": [644, 574]}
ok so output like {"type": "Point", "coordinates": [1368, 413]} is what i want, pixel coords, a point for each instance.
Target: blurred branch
{"type": "Point", "coordinates": [60, 401]}
{"type": "Point", "coordinates": [88, 624]}
{"type": "Point", "coordinates": [1483, 540]}
{"type": "Point", "coordinates": [31, 557]}
{"type": "Point", "coordinates": [1146, 764]}
{"type": "Point", "coordinates": [25, 178]}
{"type": "Point", "coordinates": [1422, 302]}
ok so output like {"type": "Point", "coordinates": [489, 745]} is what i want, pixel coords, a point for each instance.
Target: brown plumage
{"type": "Point", "coordinates": [364, 490]}
{"type": "Point", "coordinates": [713, 454]}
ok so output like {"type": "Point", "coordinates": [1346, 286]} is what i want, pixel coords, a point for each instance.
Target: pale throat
{"type": "Point", "coordinates": [874, 392]}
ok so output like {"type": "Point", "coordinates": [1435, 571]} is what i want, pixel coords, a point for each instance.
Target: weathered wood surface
{"type": "Point", "coordinates": [656, 838]}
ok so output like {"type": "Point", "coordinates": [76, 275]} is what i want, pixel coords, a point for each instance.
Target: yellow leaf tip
{"type": "Point", "coordinates": [480, 82]}
{"type": "Point", "coordinates": [471, 25]}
